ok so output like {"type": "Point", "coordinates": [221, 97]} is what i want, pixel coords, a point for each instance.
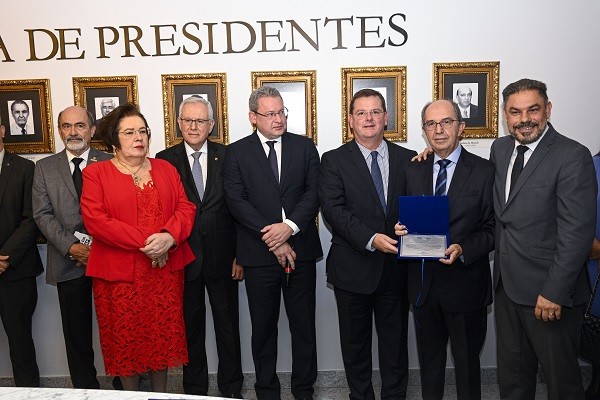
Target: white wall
{"type": "Point", "coordinates": [547, 40]}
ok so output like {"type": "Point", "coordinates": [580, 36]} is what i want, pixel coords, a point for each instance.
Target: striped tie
{"type": "Point", "coordinates": [197, 174]}
{"type": "Point", "coordinates": [377, 179]}
{"type": "Point", "coordinates": [440, 182]}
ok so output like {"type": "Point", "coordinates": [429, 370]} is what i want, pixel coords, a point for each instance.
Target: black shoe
{"type": "Point", "coordinates": [117, 384]}
{"type": "Point", "coordinates": [232, 396]}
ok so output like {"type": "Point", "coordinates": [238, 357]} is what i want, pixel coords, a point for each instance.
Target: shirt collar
{"type": "Point", "coordinates": [533, 145]}
{"type": "Point", "coordinates": [454, 156]}
{"type": "Point", "coordinates": [189, 151]}
{"type": "Point", "coordinates": [264, 139]}
{"type": "Point", "coordinates": [84, 155]}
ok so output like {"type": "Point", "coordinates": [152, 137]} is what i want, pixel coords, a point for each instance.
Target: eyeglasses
{"type": "Point", "coordinates": [130, 132]}
{"type": "Point", "coordinates": [79, 126]}
{"type": "Point", "coordinates": [189, 122]}
{"type": "Point", "coordinates": [282, 113]}
{"type": "Point", "coordinates": [446, 123]}
{"type": "Point", "coordinates": [362, 114]}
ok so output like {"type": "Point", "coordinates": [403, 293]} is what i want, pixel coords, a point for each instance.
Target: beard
{"type": "Point", "coordinates": [536, 132]}
{"type": "Point", "coordinates": [75, 144]}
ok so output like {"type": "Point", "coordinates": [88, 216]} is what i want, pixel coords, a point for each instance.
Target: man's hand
{"type": "Point", "coordinates": [595, 251]}
{"type": "Point", "coordinates": [3, 263]}
{"type": "Point", "coordinates": [158, 244]}
{"type": "Point", "coordinates": [237, 271]}
{"type": "Point", "coordinates": [385, 244]}
{"type": "Point", "coordinates": [453, 252]}
{"type": "Point", "coordinates": [80, 253]}
{"type": "Point", "coordinates": [285, 253]}
{"type": "Point", "coordinates": [276, 234]}
{"type": "Point", "coordinates": [547, 310]}
{"type": "Point", "coordinates": [400, 230]}
{"type": "Point", "coordinates": [422, 156]}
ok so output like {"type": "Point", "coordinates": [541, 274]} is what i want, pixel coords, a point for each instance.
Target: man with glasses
{"type": "Point", "coordinates": [270, 180]}
{"type": "Point", "coordinates": [200, 164]}
{"type": "Point", "coordinates": [56, 191]}
{"type": "Point", "coordinates": [359, 185]}
{"type": "Point", "coordinates": [450, 295]}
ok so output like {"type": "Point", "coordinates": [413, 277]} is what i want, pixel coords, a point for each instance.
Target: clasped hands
{"type": "Point", "coordinates": [79, 252]}
{"type": "Point", "coordinates": [275, 237]}
{"type": "Point", "coordinates": [157, 248]}
{"type": "Point", "coordinates": [3, 263]}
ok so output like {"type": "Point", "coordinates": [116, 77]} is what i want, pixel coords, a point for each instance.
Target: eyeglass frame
{"type": "Point", "coordinates": [188, 122]}
{"type": "Point", "coordinates": [448, 122]}
{"type": "Point", "coordinates": [375, 114]}
{"type": "Point", "coordinates": [130, 132]}
{"type": "Point", "coordinates": [282, 113]}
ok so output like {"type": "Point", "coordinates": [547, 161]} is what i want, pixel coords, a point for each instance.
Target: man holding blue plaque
{"type": "Point", "coordinates": [450, 295]}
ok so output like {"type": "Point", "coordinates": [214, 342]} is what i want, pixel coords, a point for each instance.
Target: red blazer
{"type": "Point", "coordinates": [109, 211]}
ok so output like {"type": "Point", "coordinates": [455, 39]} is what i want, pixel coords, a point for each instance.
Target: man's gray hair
{"type": "Point", "coordinates": [195, 99]}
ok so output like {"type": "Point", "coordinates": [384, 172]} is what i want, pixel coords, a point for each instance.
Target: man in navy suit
{"type": "Point", "coordinates": [270, 180]}
{"type": "Point", "coordinates": [213, 243]}
{"type": "Point", "coordinates": [20, 263]}
{"type": "Point", "coordinates": [450, 296]}
{"type": "Point", "coordinates": [359, 185]}
{"type": "Point", "coordinates": [545, 205]}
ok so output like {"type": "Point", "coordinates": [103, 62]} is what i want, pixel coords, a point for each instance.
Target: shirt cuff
{"type": "Point", "coordinates": [292, 225]}
{"type": "Point", "coordinates": [369, 245]}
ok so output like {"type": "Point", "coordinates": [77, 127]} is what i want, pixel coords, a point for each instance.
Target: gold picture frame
{"type": "Point", "coordinates": [211, 86]}
{"type": "Point", "coordinates": [299, 92]}
{"type": "Point", "coordinates": [28, 130]}
{"type": "Point", "coordinates": [101, 94]}
{"type": "Point", "coordinates": [481, 80]}
{"type": "Point", "coordinates": [391, 83]}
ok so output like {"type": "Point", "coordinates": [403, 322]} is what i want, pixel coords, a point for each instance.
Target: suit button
{"type": "Point", "coordinates": [503, 226]}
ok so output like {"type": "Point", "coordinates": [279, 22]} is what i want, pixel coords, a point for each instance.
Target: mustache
{"type": "Point", "coordinates": [527, 124]}
{"type": "Point", "coordinates": [75, 139]}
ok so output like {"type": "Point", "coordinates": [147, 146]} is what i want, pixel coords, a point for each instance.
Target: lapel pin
{"type": "Point", "coordinates": [93, 159]}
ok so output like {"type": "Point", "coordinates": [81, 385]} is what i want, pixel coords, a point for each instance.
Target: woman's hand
{"type": "Point", "coordinates": [158, 244]}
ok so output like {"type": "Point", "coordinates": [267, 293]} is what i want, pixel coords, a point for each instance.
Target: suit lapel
{"type": "Point", "coordinates": [64, 170]}
{"type": "Point", "coordinates": [425, 178]}
{"type": "Point", "coordinates": [214, 158]}
{"type": "Point", "coordinates": [286, 154]}
{"type": "Point", "coordinates": [502, 160]}
{"type": "Point", "coordinates": [7, 165]}
{"type": "Point", "coordinates": [363, 171]}
{"type": "Point", "coordinates": [183, 167]}
{"type": "Point", "coordinates": [259, 153]}
{"type": "Point", "coordinates": [459, 178]}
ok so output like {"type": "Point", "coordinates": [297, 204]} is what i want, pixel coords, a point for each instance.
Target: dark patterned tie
{"type": "Point", "coordinates": [77, 177]}
{"type": "Point", "coordinates": [273, 158]}
{"type": "Point", "coordinates": [442, 177]}
{"type": "Point", "coordinates": [517, 166]}
{"type": "Point", "coordinates": [377, 179]}
{"type": "Point", "coordinates": [23, 131]}
{"type": "Point", "coordinates": [197, 174]}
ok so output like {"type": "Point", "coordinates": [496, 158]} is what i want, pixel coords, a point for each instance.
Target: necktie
{"type": "Point", "coordinates": [23, 131]}
{"type": "Point", "coordinates": [377, 179]}
{"type": "Point", "coordinates": [518, 165]}
{"type": "Point", "coordinates": [465, 114]}
{"type": "Point", "coordinates": [273, 159]}
{"type": "Point", "coordinates": [197, 174]}
{"type": "Point", "coordinates": [442, 177]}
{"type": "Point", "coordinates": [77, 177]}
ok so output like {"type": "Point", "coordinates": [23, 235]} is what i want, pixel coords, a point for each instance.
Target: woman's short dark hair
{"type": "Point", "coordinates": [108, 128]}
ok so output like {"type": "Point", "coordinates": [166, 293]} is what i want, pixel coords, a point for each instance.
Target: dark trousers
{"type": "Point", "coordinates": [17, 304]}
{"type": "Point", "coordinates": [523, 342]}
{"type": "Point", "coordinates": [355, 314]}
{"type": "Point", "coordinates": [223, 297]}
{"type": "Point", "coordinates": [75, 300]}
{"type": "Point", "coordinates": [466, 331]}
{"type": "Point", "coordinates": [264, 286]}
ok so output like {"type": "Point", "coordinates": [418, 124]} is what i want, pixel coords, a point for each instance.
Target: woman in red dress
{"type": "Point", "coordinates": [137, 212]}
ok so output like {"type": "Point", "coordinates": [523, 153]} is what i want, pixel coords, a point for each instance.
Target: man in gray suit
{"type": "Point", "coordinates": [56, 191]}
{"type": "Point", "coordinates": [544, 200]}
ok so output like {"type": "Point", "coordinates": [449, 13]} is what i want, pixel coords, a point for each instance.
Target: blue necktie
{"type": "Point", "coordinates": [273, 159]}
{"type": "Point", "coordinates": [440, 182]}
{"type": "Point", "coordinates": [377, 179]}
{"type": "Point", "coordinates": [197, 174]}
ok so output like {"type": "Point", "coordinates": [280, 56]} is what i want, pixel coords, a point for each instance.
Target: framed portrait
{"type": "Point", "coordinates": [474, 87]}
{"type": "Point", "coordinates": [298, 90]}
{"type": "Point", "coordinates": [391, 83]}
{"type": "Point", "coordinates": [26, 115]}
{"type": "Point", "coordinates": [212, 87]}
{"type": "Point", "coordinates": [100, 95]}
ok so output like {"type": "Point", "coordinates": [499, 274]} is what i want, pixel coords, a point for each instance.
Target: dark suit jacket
{"type": "Point", "coordinates": [350, 204]}
{"type": "Point", "coordinates": [255, 199]}
{"type": "Point", "coordinates": [462, 286]}
{"type": "Point", "coordinates": [545, 229]}
{"type": "Point", "coordinates": [213, 237]}
{"type": "Point", "coordinates": [18, 232]}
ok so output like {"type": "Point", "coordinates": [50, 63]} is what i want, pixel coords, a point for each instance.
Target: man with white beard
{"type": "Point", "coordinates": [56, 191]}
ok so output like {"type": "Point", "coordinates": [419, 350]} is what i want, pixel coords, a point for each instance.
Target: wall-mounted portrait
{"type": "Point", "coordinates": [101, 95]}
{"type": "Point", "coordinates": [298, 90]}
{"type": "Point", "coordinates": [474, 87]}
{"type": "Point", "coordinates": [211, 87]}
{"type": "Point", "coordinates": [26, 116]}
{"type": "Point", "coordinates": [391, 83]}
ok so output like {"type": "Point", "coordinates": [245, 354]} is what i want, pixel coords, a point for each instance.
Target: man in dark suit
{"type": "Point", "coordinates": [270, 180]}
{"type": "Point", "coordinates": [467, 110]}
{"type": "Point", "coordinates": [213, 243]}
{"type": "Point", "coordinates": [545, 205]}
{"type": "Point", "coordinates": [20, 263]}
{"type": "Point", "coordinates": [56, 191]}
{"type": "Point", "coordinates": [359, 184]}
{"type": "Point", "coordinates": [450, 296]}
